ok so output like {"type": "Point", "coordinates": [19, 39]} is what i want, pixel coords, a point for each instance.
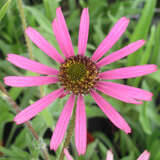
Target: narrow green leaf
{"type": "Point", "coordinates": [155, 76]}
{"type": "Point", "coordinates": [147, 53]}
{"type": "Point", "coordinates": [50, 8]}
{"type": "Point", "coordinates": [3, 10]}
{"type": "Point", "coordinates": [40, 18]}
{"type": "Point", "coordinates": [144, 120]}
{"type": "Point", "coordinates": [47, 116]}
{"type": "Point", "coordinates": [142, 29]}
{"type": "Point", "coordinates": [154, 58]}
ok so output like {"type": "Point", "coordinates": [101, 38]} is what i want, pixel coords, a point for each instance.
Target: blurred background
{"type": "Point", "coordinates": [17, 142]}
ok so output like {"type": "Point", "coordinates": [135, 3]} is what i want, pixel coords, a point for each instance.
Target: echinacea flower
{"type": "Point", "coordinates": [144, 156]}
{"type": "Point", "coordinates": [79, 75]}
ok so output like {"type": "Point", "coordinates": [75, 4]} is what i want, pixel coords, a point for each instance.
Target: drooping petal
{"type": "Point", "coordinates": [18, 81]}
{"type": "Point", "coordinates": [60, 38]}
{"type": "Point", "coordinates": [111, 113]}
{"type": "Point", "coordinates": [37, 107]}
{"type": "Point", "coordinates": [43, 44]}
{"type": "Point", "coordinates": [109, 155]}
{"type": "Point", "coordinates": [144, 156]}
{"type": "Point", "coordinates": [83, 32]}
{"type": "Point", "coordinates": [69, 157]}
{"type": "Point", "coordinates": [62, 27]}
{"type": "Point", "coordinates": [117, 55]}
{"type": "Point", "coordinates": [129, 91]}
{"type": "Point", "coordinates": [128, 72]}
{"type": "Point", "coordinates": [31, 65]}
{"type": "Point", "coordinates": [80, 126]}
{"type": "Point", "coordinates": [113, 36]}
{"type": "Point", "coordinates": [62, 123]}
{"type": "Point", "coordinates": [110, 91]}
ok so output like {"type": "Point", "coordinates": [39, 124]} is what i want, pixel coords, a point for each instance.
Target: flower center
{"type": "Point", "coordinates": [76, 71]}
{"type": "Point", "coordinates": [78, 74]}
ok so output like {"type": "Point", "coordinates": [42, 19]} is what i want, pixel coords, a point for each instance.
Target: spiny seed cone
{"type": "Point", "coordinates": [78, 74]}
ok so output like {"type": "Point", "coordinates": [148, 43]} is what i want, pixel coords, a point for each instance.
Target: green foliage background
{"type": "Point", "coordinates": [144, 119]}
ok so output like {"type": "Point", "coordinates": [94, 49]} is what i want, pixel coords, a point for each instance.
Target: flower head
{"type": "Point", "coordinates": [144, 156]}
{"type": "Point", "coordinates": [79, 75]}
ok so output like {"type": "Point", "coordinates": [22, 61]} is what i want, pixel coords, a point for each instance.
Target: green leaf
{"type": "Point", "coordinates": [94, 112]}
{"type": "Point", "coordinates": [3, 10]}
{"type": "Point", "coordinates": [147, 54]}
{"type": "Point", "coordinates": [144, 120]}
{"type": "Point", "coordinates": [155, 76]}
{"type": "Point", "coordinates": [50, 8]}
{"type": "Point", "coordinates": [142, 29]}
{"type": "Point", "coordinates": [155, 55]}
{"type": "Point", "coordinates": [40, 18]}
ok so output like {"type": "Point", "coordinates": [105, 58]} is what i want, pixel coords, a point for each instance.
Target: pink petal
{"type": "Point", "coordinates": [83, 32]}
{"type": "Point", "coordinates": [30, 65]}
{"type": "Point", "coordinates": [60, 38]}
{"type": "Point", "coordinates": [37, 107]}
{"type": "Point", "coordinates": [110, 112]}
{"type": "Point", "coordinates": [62, 123]}
{"type": "Point", "coordinates": [80, 126]}
{"type": "Point", "coordinates": [117, 55]}
{"type": "Point", "coordinates": [109, 155]}
{"type": "Point", "coordinates": [129, 72]}
{"type": "Point", "coordinates": [18, 81]}
{"type": "Point", "coordinates": [62, 27]}
{"type": "Point", "coordinates": [144, 156]}
{"type": "Point", "coordinates": [43, 44]}
{"type": "Point", "coordinates": [113, 36]}
{"type": "Point", "coordinates": [118, 94]}
{"type": "Point", "coordinates": [67, 154]}
{"type": "Point", "coordinates": [128, 91]}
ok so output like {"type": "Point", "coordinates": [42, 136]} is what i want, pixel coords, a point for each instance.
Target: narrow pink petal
{"type": "Point", "coordinates": [80, 126]}
{"type": "Point", "coordinates": [129, 72]}
{"type": "Point", "coordinates": [117, 55]}
{"type": "Point", "coordinates": [18, 81]}
{"type": "Point", "coordinates": [37, 107]}
{"type": "Point", "coordinates": [30, 65]}
{"type": "Point", "coordinates": [60, 38]}
{"type": "Point", "coordinates": [43, 44]}
{"type": "Point", "coordinates": [144, 156]}
{"type": "Point", "coordinates": [83, 32]}
{"type": "Point", "coordinates": [69, 157]}
{"type": "Point", "coordinates": [113, 36]}
{"type": "Point", "coordinates": [118, 94]}
{"type": "Point", "coordinates": [63, 28]}
{"type": "Point", "coordinates": [129, 91]}
{"type": "Point", "coordinates": [111, 113]}
{"type": "Point", "coordinates": [62, 123]}
{"type": "Point", "coordinates": [109, 155]}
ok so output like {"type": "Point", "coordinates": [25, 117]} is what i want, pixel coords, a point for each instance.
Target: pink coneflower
{"type": "Point", "coordinates": [144, 156]}
{"type": "Point", "coordinates": [79, 75]}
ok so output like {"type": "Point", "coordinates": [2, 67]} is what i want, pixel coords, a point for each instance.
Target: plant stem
{"type": "Point", "coordinates": [29, 48]}
{"type": "Point", "coordinates": [28, 124]}
{"type": "Point", "coordinates": [28, 43]}
{"type": "Point", "coordinates": [69, 133]}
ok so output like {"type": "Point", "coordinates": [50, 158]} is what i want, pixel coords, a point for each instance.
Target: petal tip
{"type": "Point", "coordinates": [143, 41]}
{"type": "Point", "coordinates": [28, 29]}
{"type": "Point", "coordinates": [128, 131]}
{"type": "Point", "coordinates": [53, 147]}
{"type": "Point", "coordinates": [9, 56]}
{"type": "Point", "coordinates": [125, 19]}
{"type": "Point", "coordinates": [58, 10]}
